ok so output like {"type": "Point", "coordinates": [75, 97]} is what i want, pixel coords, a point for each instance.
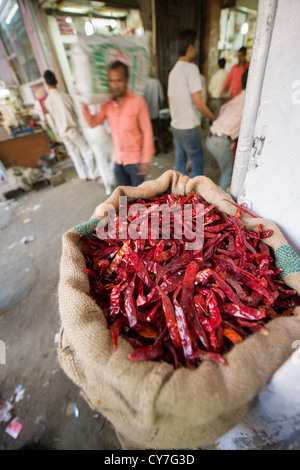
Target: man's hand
{"type": "Point", "coordinates": [197, 99]}
{"type": "Point", "coordinates": [83, 106]}
{"type": "Point", "coordinates": [92, 120]}
{"type": "Point", "coordinates": [143, 169]}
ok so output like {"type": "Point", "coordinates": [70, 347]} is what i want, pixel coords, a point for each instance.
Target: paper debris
{"type": "Point", "coordinates": [20, 395]}
{"type": "Point", "coordinates": [14, 428]}
{"type": "Point", "coordinates": [27, 239]}
{"type": "Point", "coordinates": [76, 412]}
{"type": "Point", "coordinates": [5, 408]}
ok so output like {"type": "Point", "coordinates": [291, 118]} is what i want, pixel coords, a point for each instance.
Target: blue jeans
{"type": "Point", "coordinates": [188, 144]}
{"type": "Point", "coordinates": [128, 175]}
{"type": "Point", "coordinates": [221, 151]}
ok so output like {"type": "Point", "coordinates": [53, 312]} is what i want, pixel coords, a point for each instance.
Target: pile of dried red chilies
{"type": "Point", "coordinates": [186, 306]}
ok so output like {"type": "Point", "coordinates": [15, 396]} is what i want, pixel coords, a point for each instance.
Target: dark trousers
{"type": "Point", "coordinates": [157, 132]}
{"type": "Point", "coordinates": [128, 175]}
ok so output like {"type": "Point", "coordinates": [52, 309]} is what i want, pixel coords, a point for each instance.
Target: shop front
{"type": "Point", "coordinates": [36, 36]}
{"type": "Point", "coordinates": [237, 29]}
{"type": "Point", "coordinates": [23, 138]}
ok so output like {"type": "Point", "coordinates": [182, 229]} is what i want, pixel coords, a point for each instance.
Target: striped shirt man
{"type": "Point", "coordinates": [229, 121]}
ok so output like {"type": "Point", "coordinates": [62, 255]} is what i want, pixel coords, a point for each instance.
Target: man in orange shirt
{"type": "Point", "coordinates": [234, 78]}
{"type": "Point", "coordinates": [131, 129]}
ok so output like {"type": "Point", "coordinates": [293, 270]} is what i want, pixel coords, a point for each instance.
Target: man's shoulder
{"type": "Point", "coordinates": [56, 92]}
{"type": "Point", "coordinates": [184, 68]}
{"type": "Point", "coordinates": [174, 67]}
{"type": "Point", "coordinates": [50, 97]}
{"type": "Point", "coordinates": [138, 99]}
{"type": "Point", "coordinates": [183, 64]}
{"type": "Point", "coordinates": [58, 95]}
{"type": "Point", "coordinates": [238, 67]}
{"type": "Point", "coordinates": [132, 94]}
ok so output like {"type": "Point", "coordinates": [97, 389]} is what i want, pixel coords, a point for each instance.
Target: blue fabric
{"type": "Point", "coordinates": [128, 175]}
{"type": "Point", "coordinates": [221, 151]}
{"type": "Point", "coordinates": [187, 143]}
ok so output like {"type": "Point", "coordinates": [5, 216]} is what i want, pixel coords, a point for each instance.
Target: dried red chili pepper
{"type": "Point", "coordinates": [115, 329]}
{"type": "Point", "coordinates": [209, 356]}
{"type": "Point", "coordinates": [118, 257]}
{"type": "Point", "coordinates": [151, 352]}
{"type": "Point", "coordinates": [214, 311]}
{"type": "Point", "coordinates": [242, 311]}
{"type": "Point", "coordinates": [187, 303]}
{"type": "Point", "coordinates": [179, 305]}
{"type": "Point", "coordinates": [184, 333]}
{"type": "Point", "coordinates": [115, 296]}
{"type": "Point", "coordinates": [240, 208]}
{"type": "Point", "coordinates": [170, 318]}
{"type": "Point", "coordinates": [90, 272]}
{"type": "Point", "coordinates": [129, 303]}
{"type": "Point", "coordinates": [231, 334]}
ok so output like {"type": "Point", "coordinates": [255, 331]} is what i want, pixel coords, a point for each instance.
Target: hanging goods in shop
{"type": "Point", "coordinates": [169, 404]}
{"type": "Point", "coordinates": [91, 57]}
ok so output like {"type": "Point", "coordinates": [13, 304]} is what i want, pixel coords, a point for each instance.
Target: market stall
{"type": "Point", "coordinates": [24, 149]}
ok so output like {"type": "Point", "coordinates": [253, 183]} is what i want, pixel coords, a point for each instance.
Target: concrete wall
{"type": "Point", "coordinates": [271, 183]}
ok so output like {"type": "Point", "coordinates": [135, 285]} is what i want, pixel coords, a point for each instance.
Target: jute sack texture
{"type": "Point", "coordinates": [150, 404]}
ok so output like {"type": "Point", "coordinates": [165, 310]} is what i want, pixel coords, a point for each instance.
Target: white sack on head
{"type": "Point", "coordinates": [91, 56]}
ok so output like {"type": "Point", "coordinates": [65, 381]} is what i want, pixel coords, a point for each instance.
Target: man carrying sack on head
{"type": "Point", "coordinates": [131, 129]}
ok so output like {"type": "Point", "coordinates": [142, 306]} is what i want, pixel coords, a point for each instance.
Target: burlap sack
{"type": "Point", "coordinates": [150, 404]}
